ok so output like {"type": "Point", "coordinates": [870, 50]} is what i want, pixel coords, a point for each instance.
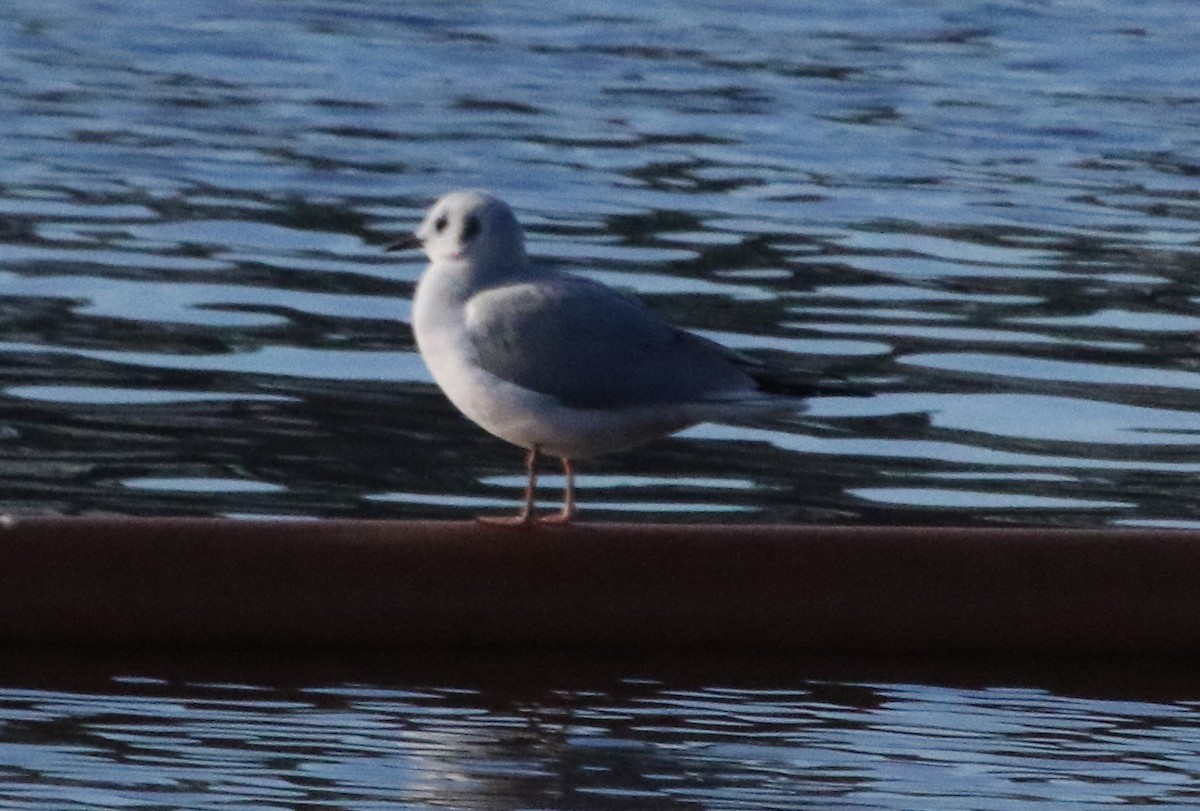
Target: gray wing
{"type": "Point", "coordinates": [591, 347]}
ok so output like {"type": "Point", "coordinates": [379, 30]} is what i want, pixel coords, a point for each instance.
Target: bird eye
{"type": "Point", "coordinates": [470, 229]}
{"type": "Point", "coordinates": [440, 224]}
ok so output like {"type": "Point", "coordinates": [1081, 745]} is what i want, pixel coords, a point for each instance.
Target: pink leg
{"type": "Point", "coordinates": [568, 508]}
{"type": "Point", "coordinates": [525, 517]}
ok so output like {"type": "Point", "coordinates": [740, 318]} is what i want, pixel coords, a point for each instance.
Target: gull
{"type": "Point", "coordinates": [559, 364]}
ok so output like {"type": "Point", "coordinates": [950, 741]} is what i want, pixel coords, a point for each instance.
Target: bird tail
{"type": "Point", "coordinates": [771, 382]}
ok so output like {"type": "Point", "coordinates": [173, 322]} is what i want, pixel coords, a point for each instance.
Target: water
{"type": "Point", "coordinates": [988, 211]}
{"type": "Point", "coordinates": [388, 731]}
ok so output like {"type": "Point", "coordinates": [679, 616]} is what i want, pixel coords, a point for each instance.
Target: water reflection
{"type": "Point", "coordinates": [233, 730]}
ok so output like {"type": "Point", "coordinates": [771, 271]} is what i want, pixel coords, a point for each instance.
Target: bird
{"type": "Point", "coordinates": [562, 365]}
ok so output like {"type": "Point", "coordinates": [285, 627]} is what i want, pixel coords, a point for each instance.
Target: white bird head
{"type": "Point", "coordinates": [470, 227]}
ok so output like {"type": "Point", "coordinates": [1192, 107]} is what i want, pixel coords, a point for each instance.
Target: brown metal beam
{"type": "Point", "coordinates": [599, 586]}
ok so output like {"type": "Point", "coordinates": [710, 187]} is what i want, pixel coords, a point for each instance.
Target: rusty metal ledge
{"type": "Point", "coordinates": [183, 581]}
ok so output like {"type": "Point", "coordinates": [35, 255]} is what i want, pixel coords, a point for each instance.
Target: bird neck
{"type": "Point", "coordinates": [500, 267]}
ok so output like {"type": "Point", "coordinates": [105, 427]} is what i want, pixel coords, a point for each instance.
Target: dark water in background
{"type": "Point", "coordinates": [989, 210]}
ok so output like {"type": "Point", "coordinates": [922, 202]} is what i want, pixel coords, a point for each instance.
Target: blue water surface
{"type": "Point", "coordinates": [984, 211]}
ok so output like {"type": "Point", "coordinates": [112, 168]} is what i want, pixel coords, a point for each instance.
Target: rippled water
{"type": "Point", "coordinates": [988, 211]}
{"type": "Point", "coordinates": [244, 733]}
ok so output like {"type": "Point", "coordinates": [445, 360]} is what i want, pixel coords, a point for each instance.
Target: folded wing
{"type": "Point", "coordinates": [591, 347]}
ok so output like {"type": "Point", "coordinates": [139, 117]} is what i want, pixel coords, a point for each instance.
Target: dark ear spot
{"type": "Point", "coordinates": [470, 228]}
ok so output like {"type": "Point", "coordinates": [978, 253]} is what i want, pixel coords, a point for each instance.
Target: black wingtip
{"type": "Point", "coordinates": [773, 384]}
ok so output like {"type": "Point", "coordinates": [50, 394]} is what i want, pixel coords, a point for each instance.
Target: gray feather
{"type": "Point", "coordinates": [588, 346]}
